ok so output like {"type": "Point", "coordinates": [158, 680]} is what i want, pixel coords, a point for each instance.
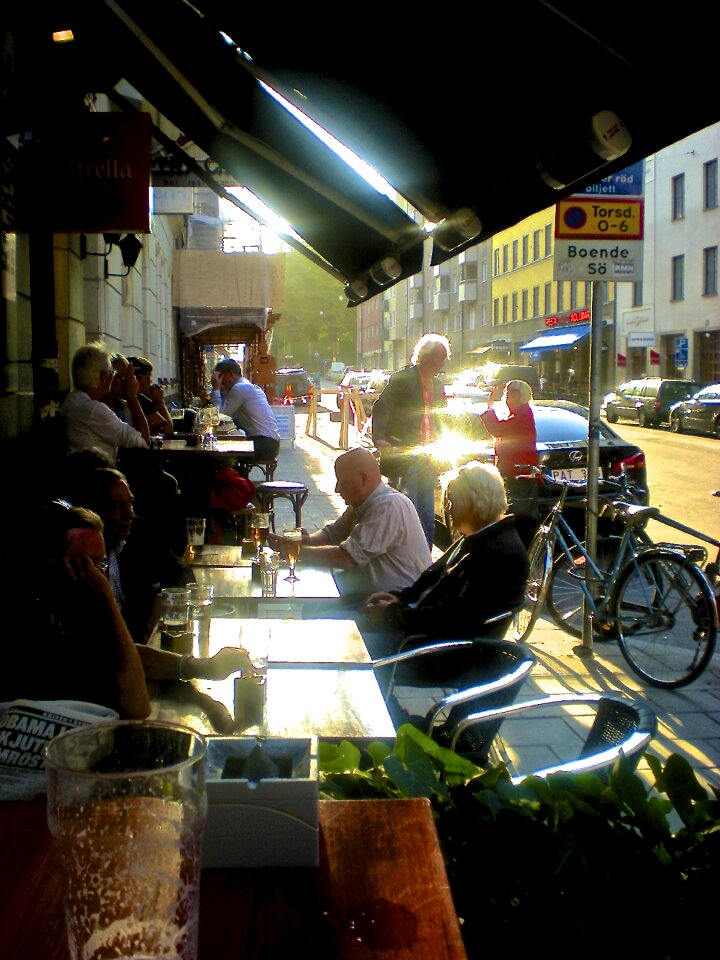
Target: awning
{"type": "Point", "coordinates": [410, 112]}
{"type": "Point", "coordinates": [558, 339]}
{"type": "Point", "coordinates": [489, 347]}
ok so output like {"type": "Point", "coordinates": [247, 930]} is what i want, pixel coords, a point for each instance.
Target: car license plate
{"type": "Point", "coordinates": [576, 474]}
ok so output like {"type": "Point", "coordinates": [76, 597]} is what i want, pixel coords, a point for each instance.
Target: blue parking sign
{"type": "Point", "coordinates": [681, 351]}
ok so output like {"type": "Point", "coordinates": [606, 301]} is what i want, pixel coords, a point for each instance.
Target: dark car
{"type": "Point", "coordinates": [701, 413]}
{"type": "Point", "coordinates": [647, 400]}
{"type": "Point", "coordinates": [300, 385]}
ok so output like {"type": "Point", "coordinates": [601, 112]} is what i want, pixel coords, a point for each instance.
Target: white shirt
{"type": "Point", "coordinates": [247, 404]}
{"type": "Point", "coordinates": [385, 539]}
{"type": "Point", "coordinates": [90, 423]}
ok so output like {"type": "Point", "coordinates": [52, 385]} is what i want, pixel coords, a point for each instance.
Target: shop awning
{"type": "Point", "coordinates": [489, 347]}
{"type": "Point", "coordinates": [558, 339]}
{"type": "Point", "coordinates": [413, 108]}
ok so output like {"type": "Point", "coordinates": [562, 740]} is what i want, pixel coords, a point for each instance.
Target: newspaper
{"type": "Point", "coordinates": [26, 728]}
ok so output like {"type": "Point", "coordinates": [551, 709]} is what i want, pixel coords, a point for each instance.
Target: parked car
{"type": "Point", "coordinates": [647, 400]}
{"type": "Point", "coordinates": [375, 385]}
{"type": "Point", "coordinates": [298, 381]}
{"type": "Point", "coordinates": [701, 413]}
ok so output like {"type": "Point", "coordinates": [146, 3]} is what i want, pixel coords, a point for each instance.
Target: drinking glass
{"type": "Point", "coordinates": [292, 542]}
{"type": "Point", "coordinates": [126, 809]}
{"type": "Point", "coordinates": [260, 529]}
{"type": "Point", "coordinates": [175, 611]}
{"type": "Point", "coordinates": [195, 528]}
{"type": "Point", "coordinates": [269, 566]}
{"type": "Point", "coordinates": [201, 595]}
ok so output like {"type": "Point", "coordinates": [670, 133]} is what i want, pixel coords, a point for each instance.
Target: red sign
{"type": "Point", "coordinates": [654, 358]}
{"type": "Point", "coordinates": [95, 167]}
{"type": "Point", "coordinates": [621, 360]}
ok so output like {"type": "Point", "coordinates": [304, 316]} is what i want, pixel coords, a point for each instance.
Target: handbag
{"type": "Point", "coordinates": [230, 491]}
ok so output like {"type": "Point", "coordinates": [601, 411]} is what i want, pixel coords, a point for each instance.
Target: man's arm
{"type": "Point", "coordinates": [161, 419]}
{"type": "Point", "coordinates": [139, 420]}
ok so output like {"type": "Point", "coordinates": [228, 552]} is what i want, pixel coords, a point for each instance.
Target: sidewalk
{"type": "Point", "coordinates": [688, 718]}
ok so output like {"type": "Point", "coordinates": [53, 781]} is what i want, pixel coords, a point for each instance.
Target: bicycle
{"type": "Point", "coordinates": [653, 598]}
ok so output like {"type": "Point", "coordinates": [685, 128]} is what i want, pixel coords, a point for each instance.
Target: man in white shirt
{"type": "Point", "coordinates": [91, 423]}
{"type": "Point", "coordinates": [378, 542]}
{"type": "Point", "coordinates": [248, 406]}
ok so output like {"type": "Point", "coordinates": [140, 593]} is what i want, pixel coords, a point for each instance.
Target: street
{"type": "Point", "coordinates": [682, 472]}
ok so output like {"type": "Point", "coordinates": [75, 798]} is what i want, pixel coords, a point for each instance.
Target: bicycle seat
{"type": "Point", "coordinates": [633, 514]}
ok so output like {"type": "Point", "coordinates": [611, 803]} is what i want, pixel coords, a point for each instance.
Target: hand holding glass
{"type": "Point", "coordinates": [292, 543]}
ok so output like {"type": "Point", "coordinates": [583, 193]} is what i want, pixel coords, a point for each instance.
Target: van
{"type": "Point", "coordinates": [336, 371]}
{"type": "Point", "coordinates": [647, 400]}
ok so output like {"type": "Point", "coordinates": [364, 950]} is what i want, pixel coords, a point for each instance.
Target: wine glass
{"type": "Point", "coordinates": [292, 542]}
{"type": "Point", "coordinates": [260, 529]}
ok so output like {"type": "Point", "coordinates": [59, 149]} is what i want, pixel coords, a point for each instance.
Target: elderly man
{"type": "Point", "coordinates": [378, 542]}
{"type": "Point", "coordinates": [405, 419]}
{"type": "Point", "coordinates": [89, 422]}
{"type": "Point", "coordinates": [248, 406]}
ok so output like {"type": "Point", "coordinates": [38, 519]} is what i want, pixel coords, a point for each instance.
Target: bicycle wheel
{"type": "Point", "coordinates": [666, 618]}
{"type": "Point", "coordinates": [564, 600]}
{"type": "Point", "coordinates": [540, 556]}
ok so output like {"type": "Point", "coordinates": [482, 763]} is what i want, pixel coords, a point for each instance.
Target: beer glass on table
{"type": "Point", "coordinates": [292, 543]}
{"type": "Point", "coordinates": [260, 529]}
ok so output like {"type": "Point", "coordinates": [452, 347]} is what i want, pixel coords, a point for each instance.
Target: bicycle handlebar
{"type": "Point", "coordinates": [621, 486]}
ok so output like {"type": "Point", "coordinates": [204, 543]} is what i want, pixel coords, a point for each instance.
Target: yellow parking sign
{"type": "Point", "coordinates": [598, 219]}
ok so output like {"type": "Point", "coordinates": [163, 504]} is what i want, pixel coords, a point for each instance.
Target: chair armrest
{"type": "Point", "coordinates": [393, 659]}
{"type": "Point", "coordinates": [516, 676]}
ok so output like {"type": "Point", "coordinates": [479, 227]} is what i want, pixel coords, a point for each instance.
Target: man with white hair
{"type": "Point", "coordinates": [91, 423]}
{"type": "Point", "coordinates": [404, 420]}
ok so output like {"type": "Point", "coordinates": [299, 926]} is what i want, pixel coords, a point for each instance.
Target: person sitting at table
{"type": "Point", "coordinates": [139, 564]}
{"type": "Point", "coordinates": [481, 575]}
{"type": "Point", "coordinates": [81, 648]}
{"type": "Point", "coordinates": [89, 422]}
{"type": "Point", "coordinates": [151, 397]}
{"type": "Point", "coordinates": [248, 406]}
{"type": "Point", "coordinates": [378, 542]}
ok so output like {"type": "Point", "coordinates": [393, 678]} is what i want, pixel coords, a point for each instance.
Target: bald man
{"type": "Point", "coordinates": [378, 541]}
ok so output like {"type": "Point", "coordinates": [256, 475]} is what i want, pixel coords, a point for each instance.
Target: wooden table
{"type": "Point", "coordinates": [381, 890]}
{"type": "Point", "coordinates": [320, 680]}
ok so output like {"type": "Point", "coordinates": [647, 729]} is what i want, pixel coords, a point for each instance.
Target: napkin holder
{"type": "Point", "coordinates": [270, 821]}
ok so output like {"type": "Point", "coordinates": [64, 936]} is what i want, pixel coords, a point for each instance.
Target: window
{"type": "Point", "coordinates": [678, 278]}
{"type": "Point", "coordinates": [496, 261]}
{"type": "Point", "coordinates": [468, 270]}
{"type": "Point", "coordinates": [505, 309]}
{"type": "Point", "coordinates": [505, 258]}
{"type": "Point", "coordinates": [496, 312]}
{"type": "Point", "coordinates": [484, 274]}
{"type": "Point", "coordinates": [483, 315]}
{"type": "Point", "coordinates": [525, 245]}
{"type": "Point", "coordinates": [548, 299]}
{"type": "Point", "coordinates": [560, 296]}
{"type": "Point", "coordinates": [514, 306]}
{"type": "Point", "coordinates": [710, 264]}
{"type": "Point", "coordinates": [515, 254]}
{"type": "Point", "coordinates": [548, 239]}
{"type": "Point", "coordinates": [637, 293]}
{"type": "Point", "coordinates": [573, 295]}
{"type": "Point", "coordinates": [524, 305]}
{"type": "Point", "coordinates": [471, 319]}
{"type": "Point", "coordinates": [710, 185]}
{"type": "Point", "coordinates": [536, 244]}
{"type": "Point", "coordinates": [678, 197]}
{"type": "Point", "coordinates": [536, 302]}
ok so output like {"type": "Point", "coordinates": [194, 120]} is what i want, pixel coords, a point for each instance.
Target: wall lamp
{"type": "Point", "coordinates": [457, 228]}
{"type": "Point", "coordinates": [129, 246]}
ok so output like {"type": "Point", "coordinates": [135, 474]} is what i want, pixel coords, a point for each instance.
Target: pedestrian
{"type": "Point", "coordinates": [405, 419]}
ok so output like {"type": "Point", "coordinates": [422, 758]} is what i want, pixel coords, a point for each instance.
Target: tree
{"type": "Point", "coordinates": [316, 324]}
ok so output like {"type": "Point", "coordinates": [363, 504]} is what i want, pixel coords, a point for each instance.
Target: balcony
{"type": "Point", "coordinates": [441, 301]}
{"type": "Point", "coordinates": [417, 310]}
{"type": "Point", "coordinates": [467, 291]}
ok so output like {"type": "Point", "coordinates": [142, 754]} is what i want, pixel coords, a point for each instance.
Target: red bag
{"type": "Point", "coordinates": [230, 491]}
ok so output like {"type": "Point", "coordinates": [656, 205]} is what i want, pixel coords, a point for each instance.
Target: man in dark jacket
{"type": "Point", "coordinates": [405, 420]}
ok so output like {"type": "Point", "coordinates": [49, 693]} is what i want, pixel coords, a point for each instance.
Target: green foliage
{"type": "Point", "coordinates": [570, 859]}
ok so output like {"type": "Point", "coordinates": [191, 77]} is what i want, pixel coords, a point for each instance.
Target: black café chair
{"type": "Point", "coordinates": [477, 673]}
{"type": "Point", "coordinates": [620, 726]}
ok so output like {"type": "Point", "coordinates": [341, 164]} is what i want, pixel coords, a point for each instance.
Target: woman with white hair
{"type": "Point", "coordinates": [515, 446]}
{"type": "Point", "coordinates": [481, 575]}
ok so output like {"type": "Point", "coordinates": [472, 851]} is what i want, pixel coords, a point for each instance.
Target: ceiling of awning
{"type": "Point", "coordinates": [487, 113]}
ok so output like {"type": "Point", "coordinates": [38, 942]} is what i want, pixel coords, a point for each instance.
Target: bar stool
{"type": "Point", "coordinates": [267, 492]}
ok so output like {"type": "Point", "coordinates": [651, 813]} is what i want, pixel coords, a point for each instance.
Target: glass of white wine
{"type": "Point", "coordinates": [260, 529]}
{"type": "Point", "coordinates": [292, 542]}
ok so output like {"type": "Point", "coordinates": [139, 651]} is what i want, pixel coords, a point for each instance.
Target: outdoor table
{"type": "Point", "coordinates": [380, 890]}
{"type": "Point", "coordinates": [313, 582]}
{"type": "Point", "coordinates": [320, 680]}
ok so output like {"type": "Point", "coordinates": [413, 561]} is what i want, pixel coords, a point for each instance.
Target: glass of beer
{"type": "Point", "coordinates": [260, 529]}
{"type": "Point", "coordinates": [126, 809]}
{"type": "Point", "coordinates": [292, 542]}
